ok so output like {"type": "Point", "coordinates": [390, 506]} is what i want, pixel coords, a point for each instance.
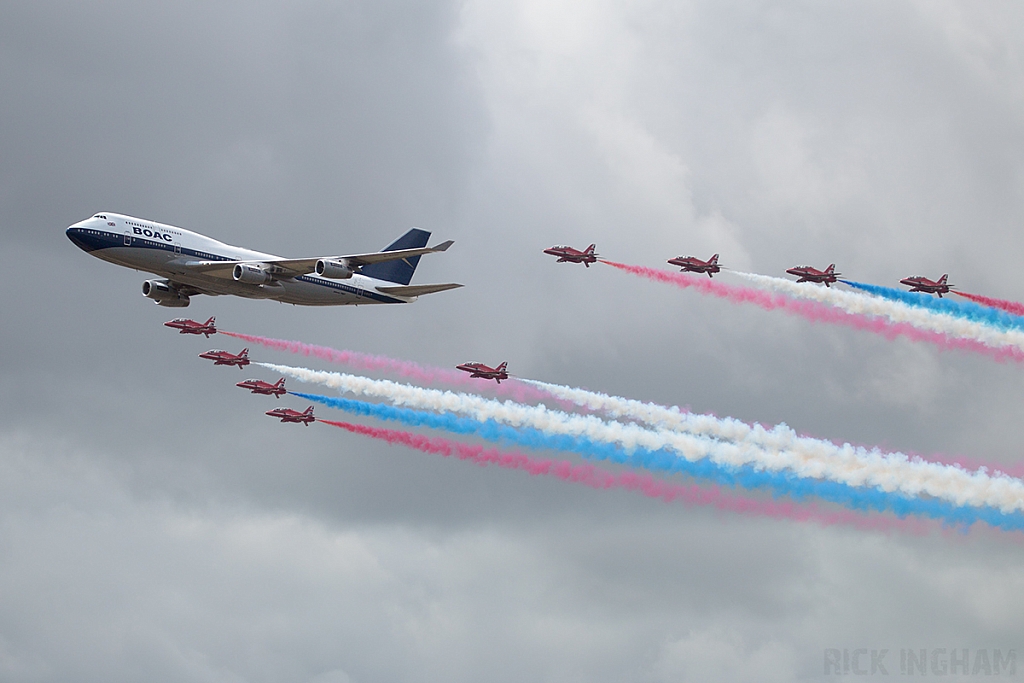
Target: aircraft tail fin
{"type": "Point", "coordinates": [244, 353]}
{"type": "Point", "coordinates": [831, 269]}
{"type": "Point", "coordinates": [211, 321]}
{"type": "Point", "coordinates": [942, 280]}
{"type": "Point", "coordinates": [308, 411]}
{"type": "Point", "coordinates": [503, 366]}
{"type": "Point", "coordinates": [399, 271]}
{"type": "Point", "coordinates": [713, 260]}
{"type": "Point", "coordinates": [279, 383]}
{"type": "Point", "coordinates": [590, 250]}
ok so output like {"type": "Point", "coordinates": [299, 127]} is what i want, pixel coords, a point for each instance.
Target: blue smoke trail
{"type": "Point", "coordinates": [746, 477]}
{"type": "Point", "coordinates": [977, 313]}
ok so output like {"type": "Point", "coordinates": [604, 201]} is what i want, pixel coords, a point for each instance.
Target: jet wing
{"type": "Point", "coordinates": [286, 268]}
{"type": "Point", "coordinates": [189, 290]}
{"type": "Point", "coordinates": [416, 290]}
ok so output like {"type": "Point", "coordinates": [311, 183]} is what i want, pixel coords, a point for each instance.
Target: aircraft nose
{"type": "Point", "coordinates": [75, 233]}
{"type": "Point", "coordinates": [85, 239]}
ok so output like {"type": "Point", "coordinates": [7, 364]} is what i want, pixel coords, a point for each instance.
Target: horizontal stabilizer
{"type": "Point", "coordinates": [416, 290]}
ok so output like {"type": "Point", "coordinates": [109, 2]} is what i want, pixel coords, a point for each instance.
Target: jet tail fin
{"type": "Point", "coordinates": [590, 250]}
{"type": "Point", "coordinates": [501, 368]}
{"type": "Point", "coordinates": [211, 321]}
{"type": "Point", "coordinates": [713, 260]}
{"type": "Point", "coordinates": [942, 280]}
{"type": "Point", "coordinates": [399, 271]}
{"type": "Point", "coordinates": [831, 269]}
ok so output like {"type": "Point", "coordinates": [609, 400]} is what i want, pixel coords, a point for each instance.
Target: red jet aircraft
{"type": "Point", "coordinates": [484, 371]}
{"type": "Point", "coordinates": [187, 326]}
{"type": "Point", "coordinates": [809, 274]}
{"type": "Point", "coordinates": [923, 284]}
{"type": "Point", "coordinates": [289, 415]}
{"type": "Point", "coordinates": [260, 387]}
{"type": "Point", "coordinates": [692, 264]}
{"type": "Point", "coordinates": [224, 358]}
{"type": "Point", "coordinates": [570, 255]}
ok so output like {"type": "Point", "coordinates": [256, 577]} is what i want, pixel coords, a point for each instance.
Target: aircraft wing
{"type": "Point", "coordinates": [286, 268]}
{"type": "Point", "coordinates": [189, 290]}
{"type": "Point", "coordinates": [416, 290]}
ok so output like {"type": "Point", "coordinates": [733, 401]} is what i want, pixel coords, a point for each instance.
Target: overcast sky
{"type": "Point", "coordinates": [154, 525]}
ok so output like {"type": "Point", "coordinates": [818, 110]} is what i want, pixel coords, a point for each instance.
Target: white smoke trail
{"type": "Point", "coordinates": [673, 418]}
{"type": "Point", "coordinates": [895, 311]}
{"type": "Point", "coordinates": [777, 438]}
{"type": "Point", "coordinates": [888, 472]}
{"type": "Point", "coordinates": [629, 436]}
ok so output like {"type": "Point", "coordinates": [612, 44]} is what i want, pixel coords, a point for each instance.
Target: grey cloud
{"type": "Point", "coordinates": [157, 526]}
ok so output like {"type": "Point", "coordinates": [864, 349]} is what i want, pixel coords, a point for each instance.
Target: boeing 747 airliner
{"type": "Point", "coordinates": [191, 264]}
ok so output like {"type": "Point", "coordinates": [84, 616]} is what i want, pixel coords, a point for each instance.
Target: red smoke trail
{"type": "Point", "coordinates": [1003, 304]}
{"type": "Point", "coordinates": [364, 361]}
{"type": "Point", "coordinates": [646, 485]}
{"type": "Point", "coordinates": [819, 312]}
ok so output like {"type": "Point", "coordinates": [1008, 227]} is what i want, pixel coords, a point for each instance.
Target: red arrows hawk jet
{"type": "Point", "coordinates": [923, 284]}
{"type": "Point", "coordinates": [260, 387]}
{"type": "Point", "coordinates": [484, 371]}
{"type": "Point", "coordinates": [570, 255]}
{"type": "Point", "coordinates": [289, 415]}
{"type": "Point", "coordinates": [186, 326]}
{"type": "Point", "coordinates": [692, 264]}
{"type": "Point", "coordinates": [809, 274]}
{"type": "Point", "coordinates": [224, 358]}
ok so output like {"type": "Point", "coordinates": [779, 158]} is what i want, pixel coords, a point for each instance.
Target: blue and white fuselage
{"type": "Point", "coordinates": [195, 264]}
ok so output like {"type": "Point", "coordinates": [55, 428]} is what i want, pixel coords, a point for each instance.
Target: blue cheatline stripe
{"type": "Point", "coordinates": [985, 315]}
{"type": "Point", "coordinates": [856, 498]}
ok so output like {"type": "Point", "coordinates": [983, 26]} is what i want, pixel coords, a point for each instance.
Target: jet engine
{"type": "Point", "coordinates": [335, 270]}
{"type": "Point", "coordinates": [164, 294]}
{"type": "Point", "coordinates": [251, 274]}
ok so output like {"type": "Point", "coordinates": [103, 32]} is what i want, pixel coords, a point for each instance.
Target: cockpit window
{"type": "Point", "coordinates": [100, 215]}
